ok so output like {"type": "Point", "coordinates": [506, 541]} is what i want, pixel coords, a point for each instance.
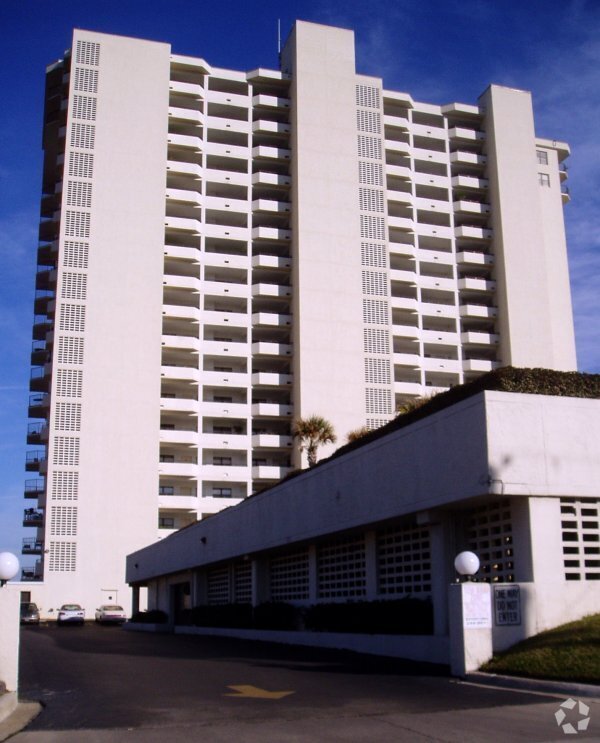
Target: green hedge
{"type": "Point", "coordinates": [152, 616]}
{"type": "Point", "coordinates": [406, 616]}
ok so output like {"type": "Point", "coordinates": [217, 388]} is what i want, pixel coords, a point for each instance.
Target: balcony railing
{"type": "Point", "coordinates": [33, 459]}
{"type": "Point", "coordinates": [36, 433]}
{"type": "Point", "coordinates": [32, 547]}
{"type": "Point", "coordinates": [34, 487]}
{"type": "Point", "coordinates": [33, 517]}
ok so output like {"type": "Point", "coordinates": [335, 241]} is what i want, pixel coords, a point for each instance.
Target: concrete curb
{"type": "Point", "coordinates": [8, 704]}
{"type": "Point", "coordinates": [557, 688]}
{"type": "Point", "coordinates": [21, 716]}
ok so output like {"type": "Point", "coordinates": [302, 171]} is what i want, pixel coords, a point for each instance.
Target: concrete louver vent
{"type": "Point", "coordinates": [372, 227]}
{"type": "Point", "coordinates": [83, 136]}
{"type": "Point", "coordinates": [367, 96]}
{"type": "Point", "coordinates": [67, 416]}
{"type": "Point", "coordinates": [70, 350]}
{"type": "Point", "coordinates": [75, 254]}
{"type": "Point", "coordinates": [86, 81]}
{"type": "Point", "coordinates": [580, 525]}
{"type": "Point", "coordinates": [375, 311]}
{"type": "Point", "coordinates": [63, 521]}
{"type": "Point", "coordinates": [69, 382]}
{"type": "Point", "coordinates": [81, 165]}
{"type": "Point", "coordinates": [368, 121]}
{"type": "Point", "coordinates": [84, 107]}
{"type": "Point", "coordinates": [370, 174]}
{"type": "Point", "coordinates": [77, 224]}
{"type": "Point", "coordinates": [217, 586]}
{"type": "Point", "coordinates": [74, 286]}
{"type": "Point", "coordinates": [79, 193]}
{"type": "Point", "coordinates": [378, 371]}
{"type": "Point", "coordinates": [370, 200]}
{"type": "Point", "coordinates": [490, 537]}
{"type": "Point", "coordinates": [369, 147]}
{"type": "Point", "coordinates": [341, 568]}
{"type": "Point", "coordinates": [65, 452]}
{"type": "Point", "coordinates": [378, 401]}
{"type": "Point", "coordinates": [376, 341]}
{"type": "Point", "coordinates": [88, 53]}
{"type": "Point", "coordinates": [373, 254]}
{"type": "Point", "coordinates": [404, 561]}
{"type": "Point", "coordinates": [62, 557]}
{"type": "Point", "coordinates": [375, 282]}
{"type": "Point", "coordinates": [72, 318]}
{"type": "Point", "coordinates": [288, 577]}
{"type": "Point", "coordinates": [65, 485]}
{"type": "Point", "coordinates": [242, 583]}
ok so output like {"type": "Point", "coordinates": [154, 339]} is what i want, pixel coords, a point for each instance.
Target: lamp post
{"type": "Point", "coordinates": [466, 564]}
{"type": "Point", "coordinates": [9, 567]}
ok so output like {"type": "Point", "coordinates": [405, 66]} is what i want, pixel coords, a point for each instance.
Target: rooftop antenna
{"type": "Point", "coordinates": [279, 41]}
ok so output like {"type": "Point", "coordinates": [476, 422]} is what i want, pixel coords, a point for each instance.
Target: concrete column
{"type": "Point", "coordinates": [442, 545]}
{"type": "Point", "coordinates": [261, 592]}
{"type": "Point", "coordinates": [135, 600]}
{"type": "Point", "coordinates": [470, 615]}
{"type": "Point", "coordinates": [9, 647]}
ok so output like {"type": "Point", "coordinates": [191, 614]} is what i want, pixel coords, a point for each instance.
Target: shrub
{"type": "Point", "coordinates": [152, 616]}
{"type": "Point", "coordinates": [222, 615]}
{"type": "Point", "coordinates": [406, 616]}
{"type": "Point", "coordinates": [276, 615]}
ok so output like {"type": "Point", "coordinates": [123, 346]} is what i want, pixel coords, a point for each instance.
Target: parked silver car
{"type": "Point", "coordinates": [110, 613]}
{"type": "Point", "coordinates": [30, 614]}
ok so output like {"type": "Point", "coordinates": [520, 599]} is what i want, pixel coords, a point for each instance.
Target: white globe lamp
{"type": "Point", "coordinates": [9, 567]}
{"type": "Point", "coordinates": [466, 564]}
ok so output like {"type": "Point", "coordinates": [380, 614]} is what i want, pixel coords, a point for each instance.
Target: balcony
{"type": "Point", "coordinates": [177, 373]}
{"type": "Point", "coordinates": [187, 115]}
{"type": "Point", "coordinates": [401, 223]}
{"type": "Point", "coordinates": [406, 331]}
{"type": "Point", "coordinates": [42, 325]}
{"type": "Point", "coordinates": [271, 234]}
{"type": "Point", "coordinates": [43, 300]}
{"type": "Point", "coordinates": [189, 89]}
{"type": "Point", "coordinates": [181, 342]}
{"type": "Point", "coordinates": [443, 337]}
{"type": "Point", "coordinates": [185, 197]}
{"type": "Point", "coordinates": [476, 285]}
{"type": "Point", "coordinates": [183, 224]}
{"type": "Point", "coordinates": [271, 320]}
{"type": "Point", "coordinates": [216, 409]}
{"type": "Point", "coordinates": [40, 353]}
{"type": "Point", "coordinates": [412, 360]}
{"type": "Point", "coordinates": [473, 232]}
{"type": "Point", "coordinates": [461, 134]}
{"type": "Point", "coordinates": [263, 126]}
{"type": "Point", "coordinates": [224, 379]}
{"type": "Point", "coordinates": [479, 365]}
{"type": "Point", "coordinates": [269, 472]}
{"type": "Point", "coordinates": [224, 440]}
{"type": "Point", "coordinates": [271, 349]}
{"type": "Point", "coordinates": [269, 206]}
{"type": "Point", "coordinates": [262, 178]}
{"type": "Point", "coordinates": [408, 388]}
{"type": "Point", "coordinates": [271, 410]}
{"type": "Point", "coordinates": [32, 547]}
{"type": "Point", "coordinates": [35, 573]}
{"type": "Point", "coordinates": [463, 206]}
{"type": "Point", "coordinates": [187, 470]}
{"type": "Point", "coordinates": [469, 183]}
{"type": "Point", "coordinates": [34, 461]}
{"type": "Point", "coordinates": [270, 101]}
{"type": "Point", "coordinates": [39, 380]}
{"type": "Point", "coordinates": [185, 141]}
{"type": "Point", "coordinates": [33, 517]}
{"type": "Point", "coordinates": [37, 433]}
{"type": "Point", "coordinates": [39, 404]}
{"type": "Point", "coordinates": [437, 364]}
{"type": "Point", "coordinates": [478, 311]}
{"type": "Point", "coordinates": [271, 441]}
{"type": "Point", "coordinates": [178, 436]}
{"type": "Point", "coordinates": [184, 169]}
{"type": "Point", "coordinates": [467, 159]}
{"type": "Point", "coordinates": [472, 258]}
{"type": "Point", "coordinates": [179, 405]}
{"type": "Point", "coordinates": [271, 291]}
{"type": "Point", "coordinates": [270, 379]}
{"type": "Point", "coordinates": [439, 310]}
{"type": "Point", "coordinates": [472, 338]}
{"type": "Point", "coordinates": [34, 488]}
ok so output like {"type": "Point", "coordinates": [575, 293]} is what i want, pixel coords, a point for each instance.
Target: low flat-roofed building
{"type": "Point", "coordinates": [513, 477]}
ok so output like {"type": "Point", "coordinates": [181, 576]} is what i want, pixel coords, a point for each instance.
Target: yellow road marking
{"type": "Point", "coordinates": [254, 692]}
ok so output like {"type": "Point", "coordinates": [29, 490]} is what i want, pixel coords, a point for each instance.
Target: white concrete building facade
{"type": "Point", "coordinates": [224, 251]}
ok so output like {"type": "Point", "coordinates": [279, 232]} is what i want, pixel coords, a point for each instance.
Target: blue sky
{"type": "Point", "coordinates": [437, 50]}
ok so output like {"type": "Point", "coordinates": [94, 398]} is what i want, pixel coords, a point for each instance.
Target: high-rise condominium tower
{"type": "Point", "coordinates": [222, 251]}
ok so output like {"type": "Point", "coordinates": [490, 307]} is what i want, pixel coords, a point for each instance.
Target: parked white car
{"type": "Point", "coordinates": [70, 614]}
{"type": "Point", "coordinates": [111, 613]}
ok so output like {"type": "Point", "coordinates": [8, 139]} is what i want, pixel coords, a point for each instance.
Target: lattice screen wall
{"type": "Point", "coordinates": [580, 524]}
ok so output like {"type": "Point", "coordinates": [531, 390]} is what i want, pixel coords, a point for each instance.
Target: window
{"type": "Point", "coordinates": [223, 461]}
{"type": "Point", "coordinates": [542, 157]}
{"type": "Point", "coordinates": [167, 458]}
{"type": "Point", "coordinates": [166, 490]}
{"type": "Point", "coordinates": [166, 522]}
{"type": "Point", "coordinates": [544, 179]}
{"type": "Point", "coordinates": [222, 398]}
{"type": "Point", "coordinates": [222, 492]}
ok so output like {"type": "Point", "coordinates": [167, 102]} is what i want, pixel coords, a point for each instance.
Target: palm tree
{"type": "Point", "coordinates": [312, 432]}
